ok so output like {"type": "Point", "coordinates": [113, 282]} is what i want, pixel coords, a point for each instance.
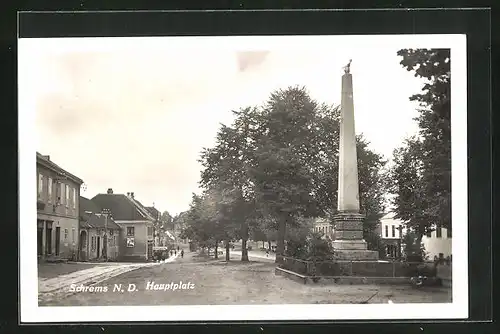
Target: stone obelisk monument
{"type": "Point", "coordinates": [348, 243]}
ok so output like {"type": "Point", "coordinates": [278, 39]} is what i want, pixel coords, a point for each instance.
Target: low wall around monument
{"type": "Point", "coordinates": [358, 268]}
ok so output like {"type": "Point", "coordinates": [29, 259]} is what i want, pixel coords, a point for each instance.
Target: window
{"type": "Point", "coordinates": [73, 235]}
{"type": "Point", "coordinates": [400, 229]}
{"type": "Point", "coordinates": [65, 234]}
{"type": "Point", "coordinates": [448, 233]}
{"type": "Point", "coordinates": [40, 185]}
{"type": "Point", "coordinates": [110, 232]}
{"type": "Point", "coordinates": [150, 231]}
{"type": "Point", "coordinates": [74, 198]}
{"type": "Point", "coordinates": [438, 232]}
{"type": "Point", "coordinates": [114, 240]}
{"type": "Point", "coordinates": [49, 189]}
{"type": "Point", "coordinates": [93, 243]}
{"type": "Point", "coordinates": [386, 231]}
{"type": "Point", "coordinates": [67, 195]}
{"type": "Point", "coordinates": [130, 231]}
{"type": "Point", "coordinates": [393, 231]}
{"type": "Point", "coordinates": [62, 197]}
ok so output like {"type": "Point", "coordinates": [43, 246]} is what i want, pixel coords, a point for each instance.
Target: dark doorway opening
{"type": "Point", "coordinates": [98, 247]}
{"type": "Point", "coordinates": [58, 240]}
{"type": "Point", "coordinates": [48, 238]}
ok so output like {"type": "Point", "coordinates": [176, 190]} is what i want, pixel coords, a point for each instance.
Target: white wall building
{"type": "Point", "coordinates": [322, 225]}
{"type": "Point", "coordinates": [436, 243]}
{"type": "Point", "coordinates": [392, 232]}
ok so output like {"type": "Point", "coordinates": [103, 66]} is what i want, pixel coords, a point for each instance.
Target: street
{"type": "Point", "coordinates": [197, 280]}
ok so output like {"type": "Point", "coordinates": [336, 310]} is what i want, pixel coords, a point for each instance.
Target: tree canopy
{"type": "Point", "coordinates": [421, 176]}
{"type": "Point", "coordinates": [277, 164]}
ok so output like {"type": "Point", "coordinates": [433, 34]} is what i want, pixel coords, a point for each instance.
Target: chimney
{"type": "Point", "coordinates": [128, 194]}
{"type": "Point", "coordinates": [132, 194]}
{"type": "Point", "coordinates": [110, 191]}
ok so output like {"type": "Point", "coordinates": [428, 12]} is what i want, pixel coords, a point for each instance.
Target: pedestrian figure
{"type": "Point", "coordinates": [175, 252]}
{"type": "Point", "coordinates": [171, 252]}
{"type": "Point", "coordinates": [267, 252]}
{"type": "Point", "coordinates": [177, 247]}
{"type": "Point", "coordinates": [182, 253]}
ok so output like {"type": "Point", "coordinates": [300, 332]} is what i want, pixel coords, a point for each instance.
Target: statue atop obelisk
{"type": "Point", "coordinates": [349, 243]}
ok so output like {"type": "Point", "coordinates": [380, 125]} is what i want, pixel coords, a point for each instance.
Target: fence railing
{"type": "Point", "coordinates": [359, 268]}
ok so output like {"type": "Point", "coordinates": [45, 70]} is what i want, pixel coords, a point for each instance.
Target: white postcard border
{"type": "Point", "coordinates": [458, 308]}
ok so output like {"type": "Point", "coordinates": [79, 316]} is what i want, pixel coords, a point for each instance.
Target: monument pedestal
{"type": "Point", "coordinates": [349, 244]}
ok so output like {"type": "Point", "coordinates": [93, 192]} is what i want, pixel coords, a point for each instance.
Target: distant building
{"type": "Point", "coordinates": [391, 232]}
{"type": "Point", "coordinates": [438, 243]}
{"type": "Point", "coordinates": [99, 234]}
{"type": "Point", "coordinates": [137, 224]}
{"type": "Point", "coordinates": [159, 231]}
{"type": "Point", "coordinates": [58, 194]}
{"type": "Point", "coordinates": [322, 225]}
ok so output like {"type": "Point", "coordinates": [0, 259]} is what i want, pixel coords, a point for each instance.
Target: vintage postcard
{"type": "Point", "coordinates": [243, 178]}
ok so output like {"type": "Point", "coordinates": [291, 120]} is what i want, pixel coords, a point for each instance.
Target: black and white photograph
{"type": "Point", "coordinates": [243, 178]}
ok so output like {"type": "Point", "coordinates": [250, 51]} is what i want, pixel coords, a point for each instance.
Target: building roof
{"type": "Point", "coordinates": [122, 207]}
{"type": "Point", "coordinates": [88, 205]}
{"type": "Point", "coordinates": [93, 220]}
{"type": "Point", "coordinates": [45, 160]}
{"type": "Point", "coordinates": [154, 212]}
{"type": "Point", "coordinates": [90, 216]}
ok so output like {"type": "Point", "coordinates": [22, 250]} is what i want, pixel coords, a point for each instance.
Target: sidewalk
{"type": "Point", "coordinates": [253, 254]}
{"type": "Point", "coordinates": [58, 287]}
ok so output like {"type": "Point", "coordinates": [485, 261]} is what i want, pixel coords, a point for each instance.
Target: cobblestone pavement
{"type": "Point", "coordinates": [195, 280]}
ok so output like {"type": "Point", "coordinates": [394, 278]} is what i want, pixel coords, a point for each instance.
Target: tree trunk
{"type": "Point", "coordinates": [244, 250]}
{"type": "Point", "coordinates": [263, 244]}
{"type": "Point", "coordinates": [269, 245]}
{"type": "Point", "coordinates": [227, 251]}
{"type": "Point", "coordinates": [280, 244]}
{"type": "Point", "coordinates": [216, 249]}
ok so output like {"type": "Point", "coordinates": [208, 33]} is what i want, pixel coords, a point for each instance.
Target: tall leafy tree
{"type": "Point", "coordinates": [434, 121]}
{"type": "Point", "coordinates": [406, 181]}
{"type": "Point", "coordinates": [280, 161]}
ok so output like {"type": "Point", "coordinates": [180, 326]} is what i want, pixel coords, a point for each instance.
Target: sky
{"type": "Point", "coordinates": [133, 114]}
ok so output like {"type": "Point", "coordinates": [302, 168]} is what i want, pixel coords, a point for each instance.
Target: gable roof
{"type": "Point", "coordinates": [122, 207]}
{"type": "Point", "coordinates": [45, 161]}
{"type": "Point", "coordinates": [90, 216]}
{"type": "Point", "coordinates": [154, 212]}
{"type": "Point", "coordinates": [88, 205]}
{"type": "Point", "coordinates": [93, 220]}
{"type": "Point", "coordinates": [142, 209]}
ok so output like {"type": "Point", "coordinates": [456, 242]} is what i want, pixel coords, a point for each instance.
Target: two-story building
{"type": "Point", "coordinates": [137, 224]}
{"type": "Point", "coordinates": [392, 232]}
{"type": "Point", "coordinates": [58, 193]}
{"type": "Point", "coordinates": [437, 243]}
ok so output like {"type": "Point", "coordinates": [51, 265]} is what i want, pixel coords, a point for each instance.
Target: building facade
{"type": "Point", "coordinates": [137, 225]}
{"type": "Point", "coordinates": [391, 232]}
{"type": "Point", "coordinates": [99, 234]}
{"type": "Point", "coordinates": [58, 193]}
{"type": "Point", "coordinates": [437, 243]}
{"type": "Point", "coordinates": [322, 225]}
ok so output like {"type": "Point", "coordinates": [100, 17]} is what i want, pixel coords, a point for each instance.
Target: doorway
{"type": "Point", "coordinates": [48, 238]}
{"type": "Point", "coordinates": [82, 250]}
{"type": "Point", "coordinates": [98, 247]}
{"type": "Point", "coordinates": [58, 240]}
